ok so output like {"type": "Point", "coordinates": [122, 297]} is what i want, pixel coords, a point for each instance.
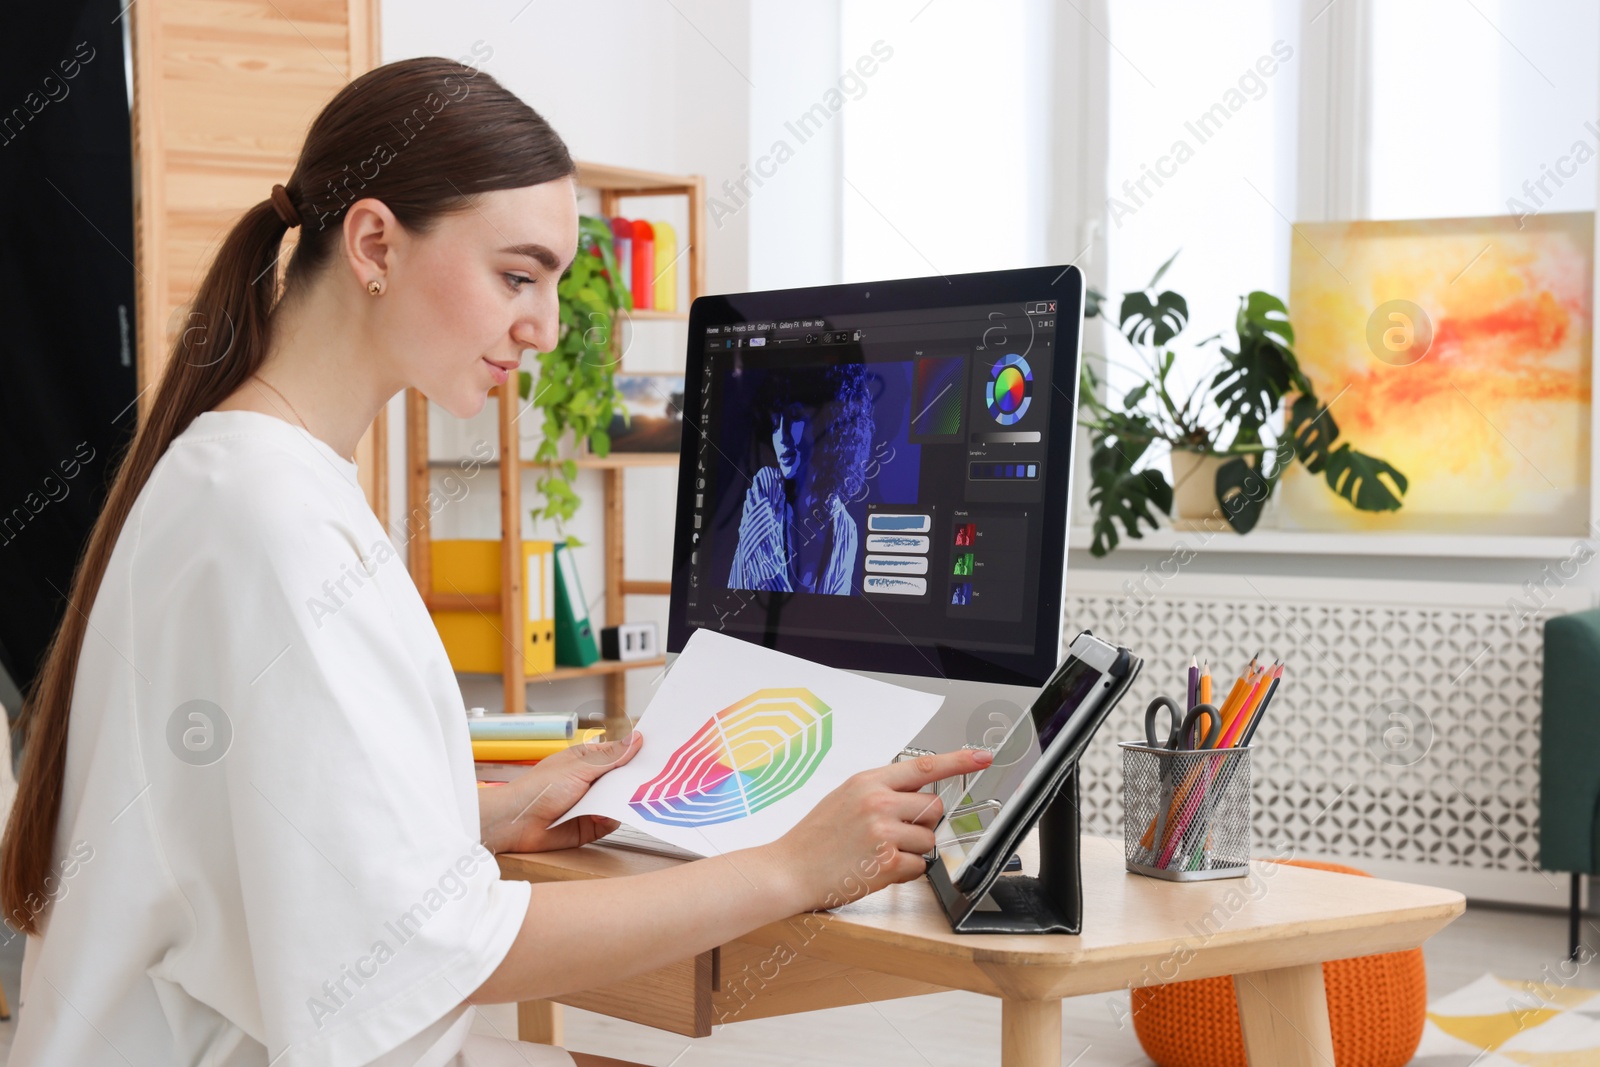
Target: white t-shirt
{"type": "Point", "coordinates": [268, 840]}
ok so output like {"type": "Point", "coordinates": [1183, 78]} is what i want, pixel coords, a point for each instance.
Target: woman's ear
{"type": "Point", "coordinates": [372, 235]}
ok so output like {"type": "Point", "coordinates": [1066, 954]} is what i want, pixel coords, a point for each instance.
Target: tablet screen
{"type": "Point", "coordinates": [1018, 757]}
{"type": "Point", "coordinates": [1055, 705]}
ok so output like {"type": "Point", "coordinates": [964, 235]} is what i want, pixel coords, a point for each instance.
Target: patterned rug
{"type": "Point", "coordinates": [1501, 1022]}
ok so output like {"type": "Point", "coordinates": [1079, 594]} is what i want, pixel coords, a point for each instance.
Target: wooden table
{"type": "Point", "coordinates": [1272, 931]}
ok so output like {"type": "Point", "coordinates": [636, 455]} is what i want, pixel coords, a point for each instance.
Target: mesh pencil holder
{"type": "Point", "coordinates": [1186, 813]}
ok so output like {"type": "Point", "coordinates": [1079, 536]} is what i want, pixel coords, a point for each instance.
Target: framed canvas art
{"type": "Point", "coordinates": [1460, 350]}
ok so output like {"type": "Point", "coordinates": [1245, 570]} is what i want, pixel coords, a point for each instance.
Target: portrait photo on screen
{"type": "Point", "coordinates": [821, 443]}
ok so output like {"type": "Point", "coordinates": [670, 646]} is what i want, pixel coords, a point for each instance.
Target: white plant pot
{"type": "Point", "coordinates": [1194, 490]}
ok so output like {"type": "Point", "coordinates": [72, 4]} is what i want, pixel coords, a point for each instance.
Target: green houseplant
{"type": "Point", "coordinates": [1217, 447]}
{"type": "Point", "coordinates": [575, 389]}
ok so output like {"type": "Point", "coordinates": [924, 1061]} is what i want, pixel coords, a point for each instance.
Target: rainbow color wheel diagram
{"type": "Point", "coordinates": [752, 753]}
{"type": "Point", "coordinates": [1007, 391]}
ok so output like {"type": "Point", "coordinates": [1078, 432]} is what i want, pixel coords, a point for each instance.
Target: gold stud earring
{"type": "Point", "coordinates": [374, 287]}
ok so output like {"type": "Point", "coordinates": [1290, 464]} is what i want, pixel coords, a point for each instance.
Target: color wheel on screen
{"type": "Point", "coordinates": [1007, 390]}
{"type": "Point", "coordinates": [751, 754]}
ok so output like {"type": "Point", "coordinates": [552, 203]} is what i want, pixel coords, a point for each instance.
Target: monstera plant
{"type": "Point", "coordinates": [1220, 443]}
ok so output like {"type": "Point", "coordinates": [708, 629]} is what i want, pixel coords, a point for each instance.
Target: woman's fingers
{"type": "Point", "coordinates": [591, 759]}
{"type": "Point", "coordinates": [594, 827]}
{"type": "Point", "coordinates": [924, 809]}
{"type": "Point", "coordinates": [911, 837]}
{"type": "Point", "coordinates": [911, 775]}
{"type": "Point", "coordinates": [579, 831]}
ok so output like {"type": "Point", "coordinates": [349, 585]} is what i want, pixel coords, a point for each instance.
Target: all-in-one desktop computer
{"type": "Point", "coordinates": [877, 477]}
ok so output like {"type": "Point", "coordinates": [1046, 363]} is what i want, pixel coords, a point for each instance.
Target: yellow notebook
{"type": "Point", "coordinates": [513, 751]}
{"type": "Point", "coordinates": [473, 639]}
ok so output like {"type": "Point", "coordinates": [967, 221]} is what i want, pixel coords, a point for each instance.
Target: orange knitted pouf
{"type": "Point", "coordinates": [1376, 1006]}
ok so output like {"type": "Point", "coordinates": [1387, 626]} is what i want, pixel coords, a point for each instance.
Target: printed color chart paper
{"type": "Point", "coordinates": [741, 742]}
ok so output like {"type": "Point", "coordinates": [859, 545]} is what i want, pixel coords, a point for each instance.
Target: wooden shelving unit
{"type": "Point", "coordinates": [614, 185]}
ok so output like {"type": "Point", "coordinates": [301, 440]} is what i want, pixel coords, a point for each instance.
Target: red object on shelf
{"type": "Point", "coordinates": [644, 265]}
{"type": "Point", "coordinates": [622, 244]}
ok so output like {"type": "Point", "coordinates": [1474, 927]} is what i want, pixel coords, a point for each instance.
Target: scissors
{"type": "Point", "coordinates": [1182, 733]}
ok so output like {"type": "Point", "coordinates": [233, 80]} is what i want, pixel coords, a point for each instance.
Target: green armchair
{"type": "Point", "coordinates": [1569, 754]}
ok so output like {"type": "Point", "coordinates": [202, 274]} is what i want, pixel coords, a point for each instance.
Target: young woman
{"type": "Point", "coordinates": [248, 830]}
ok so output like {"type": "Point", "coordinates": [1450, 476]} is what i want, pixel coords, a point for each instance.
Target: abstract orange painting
{"type": "Point", "coordinates": [1459, 350]}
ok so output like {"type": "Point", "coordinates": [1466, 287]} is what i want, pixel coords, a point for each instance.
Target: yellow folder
{"type": "Point", "coordinates": [666, 284]}
{"type": "Point", "coordinates": [473, 639]}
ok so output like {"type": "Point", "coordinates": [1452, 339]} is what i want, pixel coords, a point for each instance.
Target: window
{"type": "Point", "coordinates": [1201, 159]}
{"type": "Point", "coordinates": [1476, 107]}
{"type": "Point", "coordinates": [943, 160]}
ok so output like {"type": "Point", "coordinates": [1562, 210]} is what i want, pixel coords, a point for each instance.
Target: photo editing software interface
{"type": "Point", "coordinates": [876, 476]}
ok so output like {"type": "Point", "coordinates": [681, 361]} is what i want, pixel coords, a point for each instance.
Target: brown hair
{"type": "Point", "coordinates": [425, 136]}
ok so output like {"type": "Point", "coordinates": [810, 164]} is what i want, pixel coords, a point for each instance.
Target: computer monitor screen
{"type": "Point", "coordinates": [877, 476]}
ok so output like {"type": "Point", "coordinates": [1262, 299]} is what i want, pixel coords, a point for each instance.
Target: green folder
{"type": "Point", "coordinates": [575, 640]}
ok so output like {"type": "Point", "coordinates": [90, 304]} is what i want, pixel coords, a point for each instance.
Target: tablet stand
{"type": "Point", "coordinates": [1051, 903]}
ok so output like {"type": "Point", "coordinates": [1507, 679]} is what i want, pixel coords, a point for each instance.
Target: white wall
{"type": "Point", "coordinates": [793, 207]}
{"type": "Point", "coordinates": [634, 83]}
{"type": "Point", "coordinates": [946, 143]}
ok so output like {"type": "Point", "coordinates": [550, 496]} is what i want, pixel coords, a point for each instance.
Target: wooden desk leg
{"type": "Point", "coordinates": [1030, 1033]}
{"type": "Point", "coordinates": [1284, 1017]}
{"type": "Point", "coordinates": [539, 1021]}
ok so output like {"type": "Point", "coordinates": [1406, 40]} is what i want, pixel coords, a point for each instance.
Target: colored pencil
{"type": "Point", "coordinates": [1236, 696]}
{"type": "Point", "coordinates": [1261, 712]}
{"type": "Point", "coordinates": [1188, 806]}
{"type": "Point", "coordinates": [1241, 721]}
{"type": "Point", "coordinates": [1191, 778]}
{"type": "Point", "coordinates": [1242, 716]}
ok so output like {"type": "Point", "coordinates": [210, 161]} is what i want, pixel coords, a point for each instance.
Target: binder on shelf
{"type": "Point", "coordinates": [666, 287]}
{"type": "Point", "coordinates": [644, 265]}
{"type": "Point", "coordinates": [1052, 901]}
{"type": "Point", "coordinates": [472, 639]}
{"type": "Point", "coordinates": [575, 639]}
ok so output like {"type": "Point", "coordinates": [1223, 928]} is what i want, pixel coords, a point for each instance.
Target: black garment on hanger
{"type": "Point", "coordinates": [67, 325]}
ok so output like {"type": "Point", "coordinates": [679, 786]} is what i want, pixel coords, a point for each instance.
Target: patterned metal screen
{"type": "Point", "coordinates": [1407, 725]}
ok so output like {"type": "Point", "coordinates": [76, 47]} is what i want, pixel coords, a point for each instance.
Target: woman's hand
{"type": "Point", "coordinates": [873, 830]}
{"type": "Point", "coordinates": [516, 817]}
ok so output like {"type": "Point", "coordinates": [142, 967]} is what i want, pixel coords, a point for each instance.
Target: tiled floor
{"type": "Point", "coordinates": [963, 1029]}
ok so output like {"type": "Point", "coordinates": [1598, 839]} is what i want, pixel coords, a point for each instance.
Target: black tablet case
{"type": "Point", "coordinates": [1052, 902]}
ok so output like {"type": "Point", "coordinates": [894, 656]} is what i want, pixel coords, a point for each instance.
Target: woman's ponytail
{"type": "Point", "coordinates": [422, 135]}
{"type": "Point", "coordinates": [222, 342]}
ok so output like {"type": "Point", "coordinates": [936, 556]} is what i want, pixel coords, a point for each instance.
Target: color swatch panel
{"type": "Point", "coordinates": [750, 754]}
